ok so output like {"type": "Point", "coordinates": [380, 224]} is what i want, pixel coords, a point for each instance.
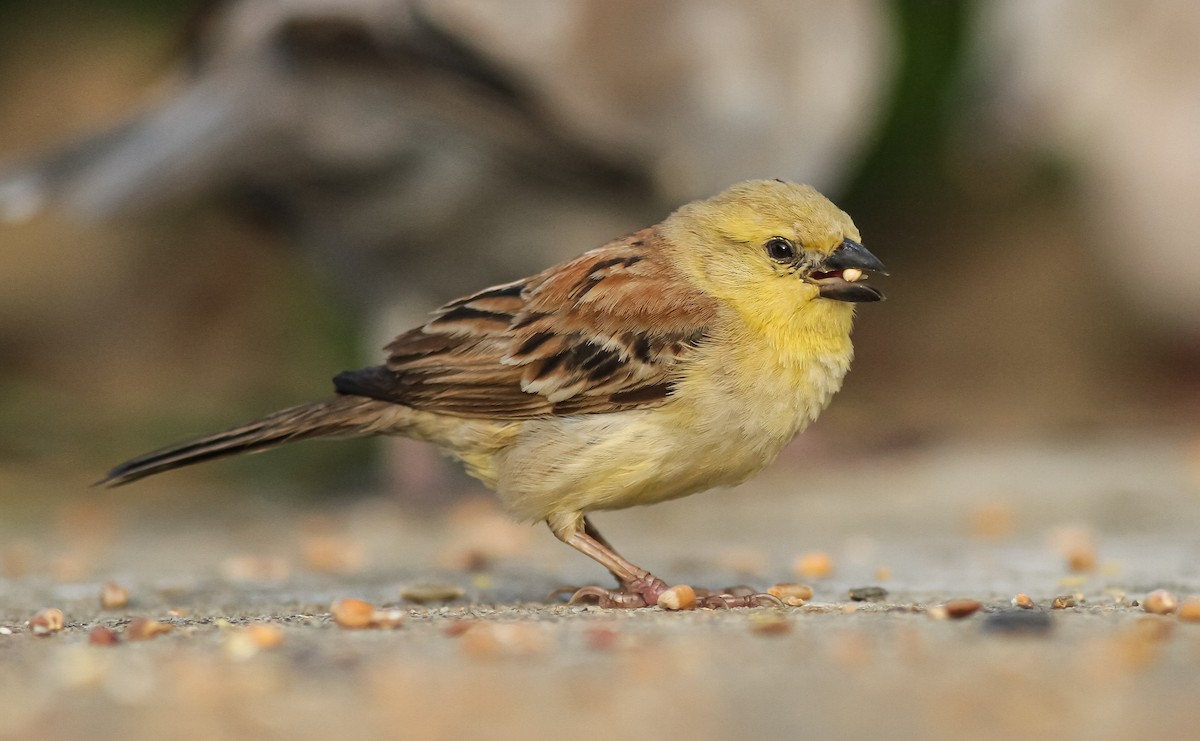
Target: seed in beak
{"type": "Point", "coordinates": [852, 275]}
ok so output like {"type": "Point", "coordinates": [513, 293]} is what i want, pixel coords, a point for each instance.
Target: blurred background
{"type": "Point", "coordinates": [209, 208]}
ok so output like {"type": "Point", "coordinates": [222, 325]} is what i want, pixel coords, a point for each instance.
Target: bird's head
{"type": "Point", "coordinates": [768, 240]}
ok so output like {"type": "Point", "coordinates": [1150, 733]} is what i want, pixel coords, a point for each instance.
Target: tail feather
{"type": "Point", "coordinates": [343, 416]}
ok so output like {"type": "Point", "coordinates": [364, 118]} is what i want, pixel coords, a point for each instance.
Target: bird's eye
{"type": "Point", "coordinates": [780, 249]}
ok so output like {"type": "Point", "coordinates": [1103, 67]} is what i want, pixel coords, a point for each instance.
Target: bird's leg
{"type": "Point", "coordinates": [639, 588]}
{"type": "Point", "coordinates": [590, 530]}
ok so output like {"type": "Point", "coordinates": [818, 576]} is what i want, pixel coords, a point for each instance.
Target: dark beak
{"type": "Point", "coordinates": [849, 254]}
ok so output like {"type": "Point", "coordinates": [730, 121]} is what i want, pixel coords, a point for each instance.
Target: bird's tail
{"type": "Point", "coordinates": [342, 416]}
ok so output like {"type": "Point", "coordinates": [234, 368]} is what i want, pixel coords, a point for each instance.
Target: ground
{"type": "Point", "coordinates": [1101, 521]}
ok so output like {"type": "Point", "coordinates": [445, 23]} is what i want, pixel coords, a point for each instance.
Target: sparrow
{"type": "Point", "coordinates": [676, 359]}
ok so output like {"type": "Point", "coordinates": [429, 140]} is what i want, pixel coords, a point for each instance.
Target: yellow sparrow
{"type": "Point", "coordinates": [676, 359]}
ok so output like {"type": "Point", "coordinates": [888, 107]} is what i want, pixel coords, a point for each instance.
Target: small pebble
{"type": "Point", "coordinates": [1023, 601]}
{"type": "Point", "coordinates": [868, 594]}
{"type": "Point", "coordinates": [47, 621]}
{"type": "Point", "coordinates": [1189, 610]}
{"type": "Point", "coordinates": [958, 609]}
{"type": "Point", "coordinates": [792, 595]}
{"type": "Point", "coordinates": [1018, 622]}
{"type": "Point", "coordinates": [1160, 602]}
{"type": "Point", "coordinates": [113, 596]}
{"type": "Point", "coordinates": [678, 597]}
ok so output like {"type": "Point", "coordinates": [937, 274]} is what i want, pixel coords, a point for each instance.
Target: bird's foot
{"type": "Point", "coordinates": [735, 597]}
{"type": "Point", "coordinates": [645, 591]}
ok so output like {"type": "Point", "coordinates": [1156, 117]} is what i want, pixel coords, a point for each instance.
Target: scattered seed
{"type": "Point", "coordinates": [113, 596]}
{"type": "Point", "coordinates": [1189, 610]}
{"type": "Point", "coordinates": [143, 629]}
{"type": "Point", "coordinates": [1023, 601]}
{"type": "Point", "coordinates": [431, 592]}
{"type": "Point", "coordinates": [331, 552]}
{"type": "Point", "coordinates": [678, 597]}
{"type": "Point", "coordinates": [47, 621]}
{"type": "Point", "coordinates": [1160, 602]}
{"type": "Point", "coordinates": [958, 609]}
{"type": "Point", "coordinates": [102, 636]}
{"type": "Point", "coordinates": [1081, 557]}
{"type": "Point", "coordinates": [868, 594]}
{"type": "Point", "coordinates": [792, 595]}
{"type": "Point", "coordinates": [1018, 622]}
{"type": "Point", "coordinates": [813, 565]}
{"type": "Point", "coordinates": [264, 635]}
{"type": "Point", "coordinates": [244, 644]}
{"type": "Point", "coordinates": [352, 613]}
{"type": "Point", "coordinates": [1063, 601]}
{"type": "Point", "coordinates": [992, 520]}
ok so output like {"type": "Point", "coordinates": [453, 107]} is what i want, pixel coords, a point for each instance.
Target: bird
{"type": "Point", "coordinates": [670, 361]}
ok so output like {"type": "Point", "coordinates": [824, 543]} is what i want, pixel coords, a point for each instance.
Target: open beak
{"type": "Point", "coordinates": [843, 275]}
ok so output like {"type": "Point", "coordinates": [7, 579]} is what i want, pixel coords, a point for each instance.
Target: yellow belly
{"type": "Point", "coordinates": [721, 427]}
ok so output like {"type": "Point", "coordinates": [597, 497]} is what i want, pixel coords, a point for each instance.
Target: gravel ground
{"type": "Point", "coordinates": [1102, 523]}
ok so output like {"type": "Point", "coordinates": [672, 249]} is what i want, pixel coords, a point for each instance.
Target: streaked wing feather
{"type": "Point", "coordinates": [602, 333]}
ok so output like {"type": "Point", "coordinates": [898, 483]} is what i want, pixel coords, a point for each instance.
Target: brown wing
{"type": "Point", "coordinates": [601, 333]}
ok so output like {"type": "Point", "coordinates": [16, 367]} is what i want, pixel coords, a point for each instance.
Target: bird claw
{"type": "Point", "coordinates": [641, 592]}
{"type": "Point", "coordinates": [607, 598]}
{"type": "Point", "coordinates": [645, 592]}
{"type": "Point", "coordinates": [726, 601]}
